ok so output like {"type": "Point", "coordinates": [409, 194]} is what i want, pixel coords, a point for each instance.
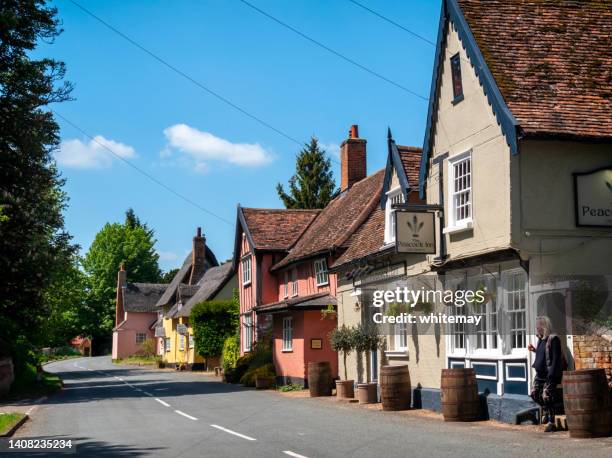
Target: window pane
{"type": "Point", "coordinates": [455, 62]}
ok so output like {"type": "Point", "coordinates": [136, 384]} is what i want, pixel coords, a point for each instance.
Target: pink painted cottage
{"type": "Point", "coordinates": [283, 257]}
{"type": "Point", "coordinates": [135, 314]}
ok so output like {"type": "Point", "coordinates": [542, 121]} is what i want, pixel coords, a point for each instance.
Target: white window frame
{"type": "Point", "coordinates": [321, 273]}
{"type": "Point", "coordinates": [287, 333]}
{"type": "Point", "coordinates": [140, 339]}
{"type": "Point", "coordinates": [191, 342]}
{"type": "Point", "coordinates": [394, 196]}
{"type": "Point", "coordinates": [510, 295]}
{"type": "Point", "coordinates": [167, 344]}
{"type": "Point", "coordinates": [401, 331]}
{"type": "Point", "coordinates": [181, 342]}
{"type": "Point", "coordinates": [294, 282]}
{"type": "Point", "coordinates": [247, 322]}
{"type": "Point", "coordinates": [459, 224]}
{"type": "Point", "coordinates": [516, 379]}
{"type": "Point", "coordinates": [286, 284]}
{"type": "Point", "coordinates": [246, 270]}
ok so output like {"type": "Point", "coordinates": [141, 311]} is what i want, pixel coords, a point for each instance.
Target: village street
{"type": "Point", "coordinates": [111, 410]}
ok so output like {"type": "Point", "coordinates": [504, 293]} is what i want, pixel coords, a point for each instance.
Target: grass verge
{"type": "Point", "coordinates": [27, 385]}
{"type": "Point", "coordinates": [138, 360]}
{"type": "Point", "coordinates": [9, 420]}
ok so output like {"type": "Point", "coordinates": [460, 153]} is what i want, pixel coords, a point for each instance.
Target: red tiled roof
{"type": "Point", "coordinates": [313, 301]}
{"type": "Point", "coordinates": [368, 239]}
{"type": "Point", "coordinates": [338, 220]}
{"type": "Point", "coordinates": [276, 229]}
{"type": "Point", "coordinates": [411, 160]}
{"type": "Point", "coordinates": [551, 60]}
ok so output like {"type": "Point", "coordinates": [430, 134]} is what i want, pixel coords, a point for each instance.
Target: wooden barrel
{"type": "Point", "coordinates": [395, 388]}
{"type": "Point", "coordinates": [459, 395]}
{"type": "Point", "coordinates": [319, 379]}
{"type": "Point", "coordinates": [586, 398]}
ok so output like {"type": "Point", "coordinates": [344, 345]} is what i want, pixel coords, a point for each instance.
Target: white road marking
{"type": "Point", "coordinates": [185, 415]}
{"type": "Point", "coordinates": [148, 394]}
{"type": "Point", "coordinates": [293, 454]}
{"type": "Point", "coordinates": [233, 432]}
{"type": "Point", "coordinates": [164, 403]}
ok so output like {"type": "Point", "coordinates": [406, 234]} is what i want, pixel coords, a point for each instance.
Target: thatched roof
{"type": "Point", "coordinates": [211, 283]}
{"type": "Point", "coordinates": [142, 297]}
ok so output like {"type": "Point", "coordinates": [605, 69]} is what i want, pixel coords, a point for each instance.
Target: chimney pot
{"type": "Point", "coordinates": [198, 257]}
{"type": "Point", "coordinates": [199, 232]}
{"type": "Point", "coordinates": [352, 159]}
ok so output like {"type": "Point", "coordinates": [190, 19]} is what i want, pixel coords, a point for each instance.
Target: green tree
{"type": "Point", "coordinates": [132, 245]}
{"type": "Point", "coordinates": [213, 322]}
{"type": "Point", "coordinates": [33, 241]}
{"type": "Point", "coordinates": [313, 184]}
{"type": "Point", "coordinates": [169, 275]}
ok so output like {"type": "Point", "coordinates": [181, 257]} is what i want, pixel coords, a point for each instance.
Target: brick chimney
{"type": "Point", "coordinates": [121, 281]}
{"type": "Point", "coordinates": [198, 257]}
{"type": "Point", "coordinates": [352, 159]}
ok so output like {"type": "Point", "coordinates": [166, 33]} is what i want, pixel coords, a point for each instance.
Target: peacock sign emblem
{"type": "Point", "coordinates": [415, 226]}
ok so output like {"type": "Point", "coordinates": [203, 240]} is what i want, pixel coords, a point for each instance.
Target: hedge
{"type": "Point", "coordinates": [212, 323]}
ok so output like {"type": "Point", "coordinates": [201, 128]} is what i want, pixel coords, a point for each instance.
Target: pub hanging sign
{"type": "Point", "coordinates": [415, 232]}
{"type": "Point", "coordinates": [593, 197]}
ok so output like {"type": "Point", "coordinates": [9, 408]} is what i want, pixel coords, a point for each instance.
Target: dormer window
{"type": "Point", "coordinates": [455, 63]}
{"type": "Point", "coordinates": [246, 270]}
{"type": "Point", "coordinates": [286, 285]}
{"type": "Point", "coordinates": [294, 282]}
{"type": "Point", "coordinates": [460, 192]}
{"type": "Point", "coordinates": [394, 196]}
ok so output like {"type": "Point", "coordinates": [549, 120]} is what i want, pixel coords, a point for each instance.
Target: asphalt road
{"type": "Point", "coordinates": [110, 410]}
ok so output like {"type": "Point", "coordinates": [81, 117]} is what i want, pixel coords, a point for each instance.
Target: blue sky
{"type": "Point", "coordinates": [197, 145]}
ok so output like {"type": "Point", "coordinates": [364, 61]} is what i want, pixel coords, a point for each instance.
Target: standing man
{"type": "Point", "coordinates": [549, 364]}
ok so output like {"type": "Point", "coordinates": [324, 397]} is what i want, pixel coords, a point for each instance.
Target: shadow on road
{"type": "Point", "coordinates": [85, 446]}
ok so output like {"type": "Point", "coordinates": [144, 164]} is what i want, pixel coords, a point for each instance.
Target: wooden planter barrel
{"type": "Point", "coordinates": [586, 398]}
{"type": "Point", "coordinates": [345, 389]}
{"type": "Point", "coordinates": [459, 393]}
{"type": "Point", "coordinates": [395, 388]}
{"type": "Point", "coordinates": [320, 379]}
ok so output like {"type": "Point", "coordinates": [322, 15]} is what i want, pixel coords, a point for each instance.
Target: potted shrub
{"type": "Point", "coordinates": [342, 340]}
{"type": "Point", "coordinates": [366, 340]}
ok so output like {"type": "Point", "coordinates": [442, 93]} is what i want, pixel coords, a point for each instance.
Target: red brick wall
{"type": "Point", "coordinates": [593, 352]}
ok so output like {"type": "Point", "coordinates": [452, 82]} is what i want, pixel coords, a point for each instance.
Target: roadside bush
{"type": "Point", "coordinates": [260, 355]}
{"type": "Point", "coordinates": [266, 370]}
{"type": "Point", "coordinates": [212, 323]}
{"type": "Point", "coordinates": [147, 349]}
{"type": "Point", "coordinates": [231, 352]}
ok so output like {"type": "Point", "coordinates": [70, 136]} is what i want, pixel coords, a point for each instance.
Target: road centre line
{"type": "Point", "coordinates": [185, 415]}
{"type": "Point", "coordinates": [293, 454]}
{"type": "Point", "coordinates": [164, 403]}
{"type": "Point", "coordinates": [234, 433]}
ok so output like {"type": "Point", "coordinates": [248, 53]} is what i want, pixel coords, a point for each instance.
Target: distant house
{"type": "Point", "coordinates": [199, 279]}
{"type": "Point", "coordinates": [135, 314]}
{"type": "Point", "coordinates": [82, 344]}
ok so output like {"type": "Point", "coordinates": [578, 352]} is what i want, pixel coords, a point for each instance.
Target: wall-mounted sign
{"type": "Point", "coordinates": [316, 344]}
{"type": "Point", "coordinates": [181, 329]}
{"type": "Point", "coordinates": [415, 232]}
{"type": "Point", "coordinates": [160, 331]}
{"type": "Point", "coordinates": [593, 196]}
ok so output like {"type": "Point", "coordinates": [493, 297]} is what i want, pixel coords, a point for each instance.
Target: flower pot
{"type": "Point", "coordinates": [345, 389]}
{"type": "Point", "coordinates": [367, 393]}
{"type": "Point", "coordinates": [264, 382]}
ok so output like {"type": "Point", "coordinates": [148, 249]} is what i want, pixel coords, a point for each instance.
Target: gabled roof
{"type": "Point", "coordinates": [551, 60]}
{"type": "Point", "coordinates": [405, 160]}
{"type": "Point", "coordinates": [142, 297]}
{"type": "Point", "coordinates": [544, 66]}
{"type": "Point", "coordinates": [209, 286]}
{"type": "Point", "coordinates": [337, 221]}
{"type": "Point", "coordinates": [182, 276]}
{"type": "Point", "coordinates": [275, 229]}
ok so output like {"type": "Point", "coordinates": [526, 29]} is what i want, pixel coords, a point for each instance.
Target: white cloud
{"type": "Point", "coordinates": [203, 147]}
{"type": "Point", "coordinates": [332, 149]}
{"type": "Point", "coordinates": [92, 155]}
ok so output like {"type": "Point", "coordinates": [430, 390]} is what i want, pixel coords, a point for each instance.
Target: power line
{"type": "Point", "coordinates": [391, 21]}
{"type": "Point", "coordinates": [186, 76]}
{"type": "Point", "coordinates": [333, 51]}
{"type": "Point", "coordinates": [139, 170]}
